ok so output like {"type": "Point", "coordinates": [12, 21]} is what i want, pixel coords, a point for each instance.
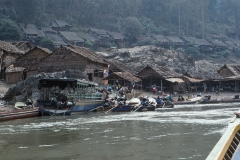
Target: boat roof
{"type": "Point", "coordinates": [54, 82]}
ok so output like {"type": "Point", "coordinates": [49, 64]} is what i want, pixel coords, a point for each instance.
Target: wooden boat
{"type": "Point", "coordinates": [86, 96]}
{"type": "Point", "coordinates": [190, 101]}
{"type": "Point", "coordinates": [213, 101]}
{"type": "Point", "coordinates": [53, 101]}
{"type": "Point", "coordinates": [19, 113]}
{"type": "Point", "coordinates": [228, 148]}
{"type": "Point", "coordinates": [47, 109]}
{"type": "Point", "coordinates": [131, 105]}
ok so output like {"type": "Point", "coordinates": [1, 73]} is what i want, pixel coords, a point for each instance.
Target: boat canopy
{"type": "Point", "coordinates": [53, 82]}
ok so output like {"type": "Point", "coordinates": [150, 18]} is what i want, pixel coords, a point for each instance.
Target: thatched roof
{"type": "Point", "coordinates": [22, 45]}
{"type": "Point", "coordinates": [123, 75]}
{"type": "Point", "coordinates": [117, 66]}
{"type": "Point", "coordinates": [174, 39]}
{"type": "Point", "coordinates": [204, 75]}
{"type": "Point", "coordinates": [160, 71]}
{"type": "Point", "coordinates": [57, 40]}
{"type": "Point", "coordinates": [48, 30]}
{"type": "Point", "coordinates": [36, 47]}
{"type": "Point", "coordinates": [31, 29]}
{"type": "Point", "coordinates": [10, 48]}
{"type": "Point", "coordinates": [82, 51]}
{"type": "Point", "coordinates": [160, 38]}
{"type": "Point", "coordinates": [60, 23]}
{"type": "Point", "coordinates": [116, 36]}
{"type": "Point", "coordinates": [219, 43]}
{"type": "Point", "coordinates": [196, 41]}
{"type": "Point", "coordinates": [234, 68]}
{"type": "Point", "coordinates": [11, 69]}
{"type": "Point", "coordinates": [90, 37]}
{"type": "Point", "coordinates": [71, 36]}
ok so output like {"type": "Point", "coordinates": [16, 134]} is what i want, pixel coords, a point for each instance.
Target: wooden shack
{"type": "Point", "coordinates": [14, 74]}
{"type": "Point", "coordinates": [8, 54]}
{"type": "Point", "coordinates": [75, 58]}
{"type": "Point", "coordinates": [71, 38]}
{"type": "Point", "coordinates": [231, 73]}
{"type": "Point", "coordinates": [165, 79]}
{"type": "Point", "coordinates": [30, 59]}
{"type": "Point", "coordinates": [203, 81]}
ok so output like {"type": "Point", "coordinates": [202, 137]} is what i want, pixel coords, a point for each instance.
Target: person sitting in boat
{"type": "Point", "coordinates": [29, 103]}
{"type": "Point", "coordinates": [159, 100]}
{"type": "Point", "coordinates": [182, 99]}
{"type": "Point", "coordinates": [236, 96]}
{"type": "Point", "coordinates": [199, 94]}
{"type": "Point", "coordinates": [145, 102]}
{"type": "Point", "coordinates": [168, 97]}
{"type": "Point", "coordinates": [179, 98]}
{"type": "Point", "coordinates": [121, 92]}
{"type": "Point", "coordinates": [109, 88]}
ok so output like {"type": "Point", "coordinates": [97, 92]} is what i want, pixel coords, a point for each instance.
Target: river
{"type": "Point", "coordinates": [183, 134]}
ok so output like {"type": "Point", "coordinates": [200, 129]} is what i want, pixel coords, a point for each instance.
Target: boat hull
{"type": "Point", "coordinates": [219, 101]}
{"type": "Point", "coordinates": [54, 112]}
{"type": "Point", "coordinates": [18, 114]}
{"type": "Point", "coordinates": [84, 106]}
{"type": "Point", "coordinates": [164, 105]}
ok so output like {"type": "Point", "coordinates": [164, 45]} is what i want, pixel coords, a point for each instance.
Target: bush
{"type": "Point", "coordinates": [9, 30]}
{"type": "Point", "coordinates": [47, 43]}
{"type": "Point", "coordinates": [192, 51]}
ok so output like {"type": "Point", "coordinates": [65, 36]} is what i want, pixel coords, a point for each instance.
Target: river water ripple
{"type": "Point", "coordinates": [177, 134]}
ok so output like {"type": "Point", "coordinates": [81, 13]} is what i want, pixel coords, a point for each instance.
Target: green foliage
{"type": "Point", "coordinates": [88, 44]}
{"type": "Point", "coordinates": [9, 30]}
{"type": "Point", "coordinates": [149, 26]}
{"type": "Point", "coordinates": [132, 28]}
{"type": "Point", "coordinates": [47, 43]}
{"type": "Point", "coordinates": [27, 10]}
{"type": "Point", "coordinates": [192, 51]}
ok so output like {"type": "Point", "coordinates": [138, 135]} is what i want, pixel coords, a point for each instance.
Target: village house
{"type": "Point", "coordinates": [202, 44]}
{"type": "Point", "coordinates": [231, 73]}
{"type": "Point", "coordinates": [219, 45]}
{"type": "Point", "coordinates": [175, 42]}
{"type": "Point", "coordinates": [161, 40]}
{"type": "Point", "coordinates": [101, 34]}
{"type": "Point", "coordinates": [57, 40]}
{"type": "Point", "coordinates": [30, 60]}
{"type": "Point", "coordinates": [75, 58]}
{"type": "Point", "coordinates": [8, 54]}
{"type": "Point", "coordinates": [117, 38]}
{"type": "Point", "coordinates": [162, 77]}
{"type": "Point", "coordinates": [203, 81]}
{"type": "Point", "coordinates": [91, 38]}
{"type": "Point", "coordinates": [14, 74]}
{"type": "Point", "coordinates": [71, 38]}
{"type": "Point", "coordinates": [60, 25]}
{"type": "Point", "coordinates": [31, 33]}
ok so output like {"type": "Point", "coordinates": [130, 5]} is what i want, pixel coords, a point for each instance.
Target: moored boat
{"type": "Point", "coordinates": [53, 100]}
{"type": "Point", "coordinates": [19, 113]}
{"type": "Point", "coordinates": [87, 96]}
{"type": "Point", "coordinates": [190, 101]}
